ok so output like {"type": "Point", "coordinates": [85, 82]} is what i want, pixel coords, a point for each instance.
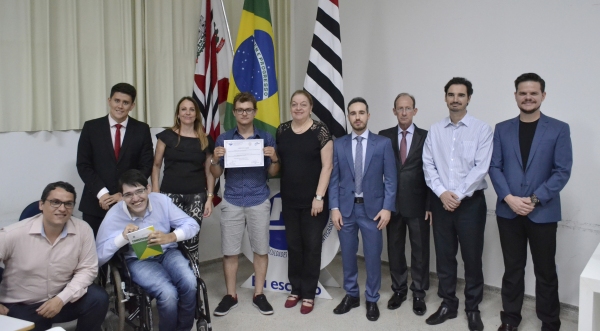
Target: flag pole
{"type": "Point", "coordinates": [227, 25]}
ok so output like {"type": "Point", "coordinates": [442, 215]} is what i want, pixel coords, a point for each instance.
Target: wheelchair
{"type": "Point", "coordinates": [133, 306]}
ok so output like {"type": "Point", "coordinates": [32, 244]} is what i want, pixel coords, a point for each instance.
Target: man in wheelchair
{"type": "Point", "coordinates": [50, 264]}
{"type": "Point", "coordinates": [168, 276]}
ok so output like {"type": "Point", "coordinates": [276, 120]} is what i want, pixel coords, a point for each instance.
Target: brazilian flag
{"type": "Point", "coordinates": [253, 67]}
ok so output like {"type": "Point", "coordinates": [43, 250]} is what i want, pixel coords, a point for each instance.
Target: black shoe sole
{"type": "Point", "coordinates": [420, 313]}
{"type": "Point", "coordinates": [225, 312]}
{"type": "Point", "coordinates": [436, 322]}
{"type": "Point", "coordinates": [337, 312]}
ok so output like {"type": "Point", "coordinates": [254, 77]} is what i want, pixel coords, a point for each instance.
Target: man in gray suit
{"type": "Point", "coordinates": [411, 208]}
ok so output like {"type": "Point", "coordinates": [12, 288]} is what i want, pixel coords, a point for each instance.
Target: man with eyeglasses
{"type": "Point", "coordinates": [245, 202]}
{"type": "Point", "coordinates": [51, 263]}
{"type": "Point", "coordinates": [167, 277]}
{"type": "Point", "coordinates": [412, 210]}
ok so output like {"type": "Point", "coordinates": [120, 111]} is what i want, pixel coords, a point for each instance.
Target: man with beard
{"type": "Point", "coordinates": [362, 196]}
{"type": "Point", "coordinates": [531, 164]}
{"type": "Point", "coordinates": [456, 158]}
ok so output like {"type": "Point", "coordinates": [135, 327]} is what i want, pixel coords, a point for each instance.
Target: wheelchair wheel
{"type": "Point", "coordinates": [146, 314]}
{"type": "Point", "coordinates": [202, 325]}
{"type": "Point", "coordinates": [119, 309]}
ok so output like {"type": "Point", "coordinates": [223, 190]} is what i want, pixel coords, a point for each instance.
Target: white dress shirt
{"type": "Point", "coordinates": [113, 133]}
{"type": "Point", "coordinates": [409, 137]}
{"type": "Point", "coordinates": [365, 136]}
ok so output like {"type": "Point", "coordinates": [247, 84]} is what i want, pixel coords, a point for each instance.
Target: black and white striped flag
{"type": "Point", "coordinates": [324, 74]}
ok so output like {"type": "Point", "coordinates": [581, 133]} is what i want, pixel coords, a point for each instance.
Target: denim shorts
{"type": "Point", "coordinates": [234, 219]}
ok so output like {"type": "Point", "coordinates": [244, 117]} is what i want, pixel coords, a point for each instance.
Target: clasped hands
{"type": "Point", "coordinates": [108, 200]}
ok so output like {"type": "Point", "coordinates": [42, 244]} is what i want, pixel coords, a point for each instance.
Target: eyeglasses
{"type": "Point", "coordinates": [137, 192]}
{"type": "Point", "coordinates": [407, 110]}
{"type": "Point", "coordinates": [240, 111]}
{"type": "Point", "coordinates": [57, 203]}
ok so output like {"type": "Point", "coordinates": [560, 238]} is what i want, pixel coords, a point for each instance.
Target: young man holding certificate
{"type": "Point", "coordinates": [167, 276]}
{"type": "Point", "coordinates": [246, 198]}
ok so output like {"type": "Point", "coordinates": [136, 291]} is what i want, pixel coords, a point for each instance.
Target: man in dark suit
{"type": "Point", "coordinates": [362, 196]}
{"type": "Point", "coordinates": [109, 146]}
{"type": "Point", "coordinates": [411, 208]}
{"type": "Point", "coordinates": [531, 163]}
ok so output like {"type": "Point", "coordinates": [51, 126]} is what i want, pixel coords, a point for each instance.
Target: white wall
{"type": "Point", "coordinates": [417, 46]}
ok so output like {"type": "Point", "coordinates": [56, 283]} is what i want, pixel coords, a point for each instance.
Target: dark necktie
{"type": "Point", "coordinates": [403, 147]}
{"type": "Point", "coordinates": [117, 140]}
{"type": "Point", "coordinates": [358, 166]}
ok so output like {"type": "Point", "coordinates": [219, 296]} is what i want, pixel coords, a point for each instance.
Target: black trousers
{"type": "Point", "coordinates": [465, 225]}
{"type": "Point", "coordinates": [304, 234]}
{"type": "Point", "coordinates": [418, 233]}
{"type": "Point", "coordinates": [514, 235]}
{"type": "Point", "coordinates": [89, 311]}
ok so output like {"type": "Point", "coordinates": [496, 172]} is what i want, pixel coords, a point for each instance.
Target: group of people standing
{"type": "Point", "coordinates": [404, 179]}
{"type": "Point", "coordinates": [417, 178]}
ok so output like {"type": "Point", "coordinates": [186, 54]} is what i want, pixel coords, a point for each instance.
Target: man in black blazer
{"type": "Point", "coordinates": [109, 146]}
{"type": "Point", "coordinates": [411, 208]}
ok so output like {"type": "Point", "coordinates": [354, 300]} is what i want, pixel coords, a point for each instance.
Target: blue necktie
{"type": "Point", "coordinates": [358, 166]}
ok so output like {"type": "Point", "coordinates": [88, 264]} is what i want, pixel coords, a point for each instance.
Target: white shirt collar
{"type": "Point", "coordinates": [112, 122]}
{"type": "Point", "coordinates": [411, 129]}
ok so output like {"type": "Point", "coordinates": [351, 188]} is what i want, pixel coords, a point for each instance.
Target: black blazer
{"type": "Point", "coordinates": [96, 162]}
{"type": "Point", "coordinates": [412, 197]}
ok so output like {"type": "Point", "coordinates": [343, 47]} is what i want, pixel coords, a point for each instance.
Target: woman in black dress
{"type": "Point", "coordinates": [186, 151]}
{"type": "Point", "coordinates": [306, 152]}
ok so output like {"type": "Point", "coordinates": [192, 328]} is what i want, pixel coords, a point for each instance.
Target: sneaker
{"type": "Point", "coordinates": [227, 303]}
{"type": "Point", "coordinates": [261, 303]}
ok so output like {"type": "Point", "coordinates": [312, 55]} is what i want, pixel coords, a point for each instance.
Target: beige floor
{"type": "Point", "coordinates": [246, 317]}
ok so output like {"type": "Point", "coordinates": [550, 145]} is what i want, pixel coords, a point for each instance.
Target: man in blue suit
{"type": "Point", "coordinates": [531, 163]}
{"type": "Point", "coordinates": [362, 196]}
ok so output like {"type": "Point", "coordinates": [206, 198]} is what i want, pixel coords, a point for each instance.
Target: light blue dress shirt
{"type": "Point", "coordinates": [456, 157]}
{"type": "Point", "coordinates": [162, 213]}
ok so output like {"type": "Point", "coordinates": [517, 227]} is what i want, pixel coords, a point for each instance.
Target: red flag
{"type": "Point", "coordinates": [214, 56]}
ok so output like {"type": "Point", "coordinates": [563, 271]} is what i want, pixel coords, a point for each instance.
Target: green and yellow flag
{"type": "Point", "coordinates": [253, 67]}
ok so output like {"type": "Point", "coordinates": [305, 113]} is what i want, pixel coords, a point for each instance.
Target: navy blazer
{"type": "Point", "coordinates": [96, 162]}
{"type": "Point", "coordinates": [548, 167]}
{"type": "Point", "coordinates": [379, 177]}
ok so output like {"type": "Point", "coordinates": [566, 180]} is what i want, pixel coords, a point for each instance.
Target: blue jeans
{"type": "Point", "coordinates": [89, 311]}
{"type": "Point", "coordinates": [168, 278]}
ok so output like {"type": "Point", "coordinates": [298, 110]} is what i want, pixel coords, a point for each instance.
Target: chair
{"type": "Point", "coordinates": [31, 210]}
{"type": "Point", "coordinates": [132, 304]}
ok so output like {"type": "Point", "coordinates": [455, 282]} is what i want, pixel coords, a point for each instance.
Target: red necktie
{"type": "Point", "coordinates": [403, 147]}
{"type": "Point", "coordinates": [117, 140]}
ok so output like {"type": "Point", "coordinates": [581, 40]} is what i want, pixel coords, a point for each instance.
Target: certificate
{"type": "Point", "coordinates": [242, 153]}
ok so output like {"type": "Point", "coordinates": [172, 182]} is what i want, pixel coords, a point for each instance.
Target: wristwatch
{"type": "Point", "coordinates": [534, 199]}
{"type": "Point", "coordinates": [211, 162]}
{"type": "Point", "coordinates": [210, 195]}
{"type": "Point", "coordinates": [318, 197]}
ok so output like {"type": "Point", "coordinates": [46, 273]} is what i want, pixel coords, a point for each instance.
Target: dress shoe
{"type": "Point", "coordinates": [348, 302]}
{"type": "Point", "coordinates": [372, 311]}
{"type": "Point", "coordinates": [396, 300]}
{"type": "Point", "coordinates": [507, 327]}
{"type": "Point", "coordinates": [475, 323]}
{"type": "Point", "coordinates": [292, 301]}
{"type": "Point", "coordinates": [441, 315]}
{"type": "Point", "coordinates": [307, 306]}
{"type": "Point", "coordinates": [419, 306]}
